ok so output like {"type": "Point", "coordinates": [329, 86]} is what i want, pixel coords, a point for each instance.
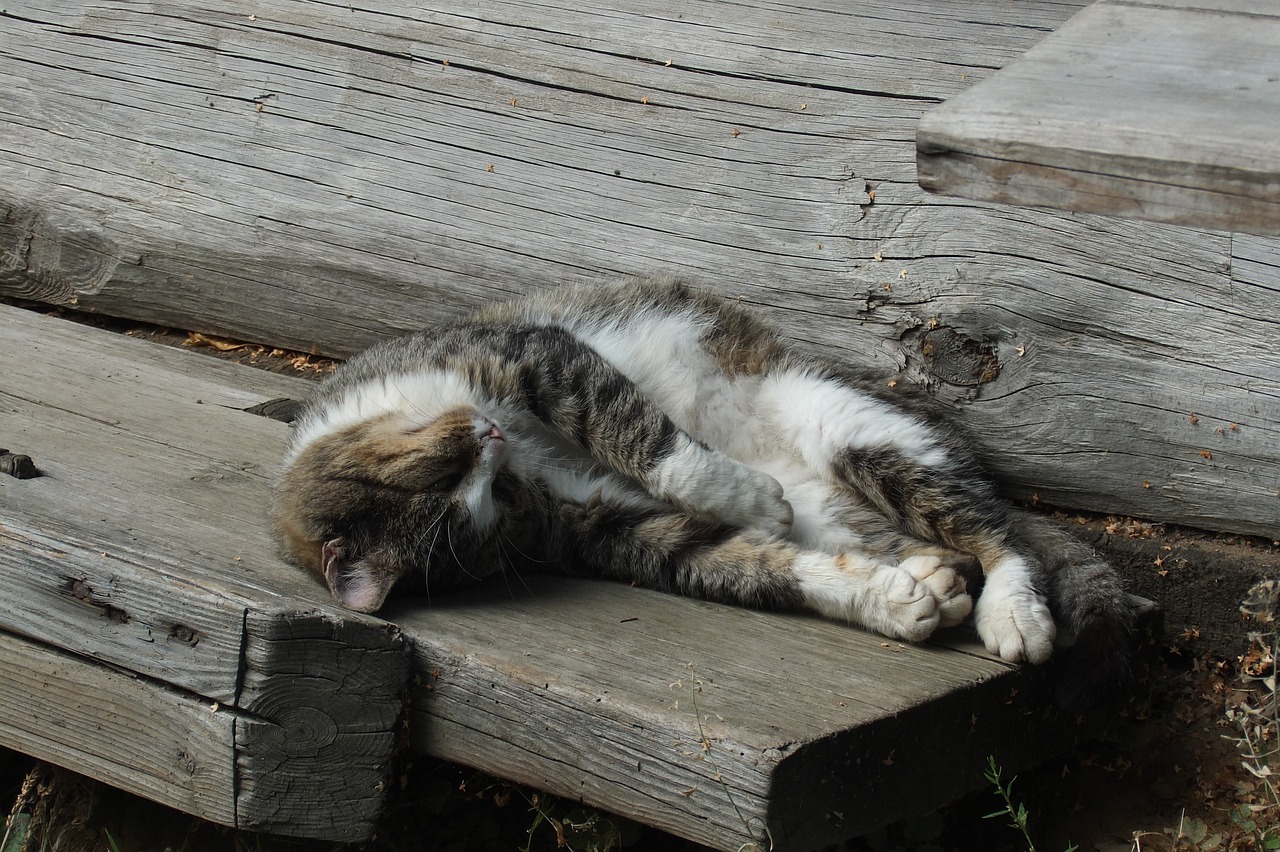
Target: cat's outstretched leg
{"type": "Point", "coordinates": [1012, 614]}
{"type": "Point", "coordinates": [672, 551]}
{"type": "Point", "coordinates": [924, 480]}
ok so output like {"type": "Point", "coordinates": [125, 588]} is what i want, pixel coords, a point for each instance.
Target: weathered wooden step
{"type": "Point", "coordinates": [150, 637]}
{"type": "Point", "coordinates": [186, 663]}
{"type": "Point", "coordinates": [735, 728]}
{"type": "Point", "coordinates": [317, 176]}
{"type": "Point", "coordinates": [1165, 110]}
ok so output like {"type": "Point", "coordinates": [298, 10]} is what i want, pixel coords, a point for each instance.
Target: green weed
{"type": "Point", "coordinates": [576, 828]}
{"type": "Point", "coordinates": [1016, 813]}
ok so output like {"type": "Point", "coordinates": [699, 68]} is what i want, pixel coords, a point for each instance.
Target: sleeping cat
{"type": "Point", "coordinates": [648, 432]}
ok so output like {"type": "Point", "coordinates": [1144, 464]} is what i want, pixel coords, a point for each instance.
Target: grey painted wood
{"type": "Point", "coordinates": [142, 553]}
{"type": "Point", "coordinates": [1158, 109]}
{"type": "Point", "coordinates": [734, 728]}
{"type": "Point", "coordinates": [316, 175]}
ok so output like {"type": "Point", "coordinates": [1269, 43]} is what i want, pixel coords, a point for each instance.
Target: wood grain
{"type": "Point", "coordinates": [1163, 110]}
{"type": "Point", "coordinates": [723, 725]}
{"type": "Point", "coordinates": [142, 550]}
{"type": "Point", "coordinates": [169, 746]}
{"type": "Point", "coordinates": [315, 175]}
{"type": "Point", "coordinates": [326, 694]}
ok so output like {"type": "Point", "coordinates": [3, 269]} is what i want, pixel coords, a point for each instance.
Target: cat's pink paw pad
{"type": "Point", "coordinates": [954, 602]}
{"type": "Point", "coordinates": [910, 609]}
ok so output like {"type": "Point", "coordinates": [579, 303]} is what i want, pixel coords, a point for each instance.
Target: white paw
{"type": "Point", "coordinates": [770, 511]}
{"type": "Point", "coordinates": [753, 500]}
{"type": "Point", "coordinates": [1013, 620]}
{"type": "Point", "coordinates": [954, 602]}
{"type": "Point", "coordinates": [708, 482]}
{"type": "Point", "coordinates": [888, 599]}
{"type": "Point", "coordinates": [910, 608]}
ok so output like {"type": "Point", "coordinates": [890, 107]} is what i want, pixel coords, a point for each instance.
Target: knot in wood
{"type": "Point", "coordinates": [184, 635]}
{"type": "Point", "coordinates": [958, 359]}
{"type": "Point", "coordinates": [56, 261]}
{"type": "Point", "coordinates": [281, 408]}
{"type": "Point", "coordinates": [18, 465]}
{"type": "Point", "coordinates": [303, 731]}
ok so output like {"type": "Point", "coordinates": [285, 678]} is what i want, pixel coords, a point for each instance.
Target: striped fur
{"type": "Point", "coordinates": [651, 433]}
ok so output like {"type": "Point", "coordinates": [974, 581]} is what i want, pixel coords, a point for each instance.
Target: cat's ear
{"type": "Point", "coordinates": [360, 585]}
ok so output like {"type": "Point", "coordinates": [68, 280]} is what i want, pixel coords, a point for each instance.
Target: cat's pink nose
{"type": "Point", "coordinates": [487, 429]}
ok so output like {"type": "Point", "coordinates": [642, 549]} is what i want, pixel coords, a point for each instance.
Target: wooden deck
{"type": "Point", "coordinates": [153, 641]}
{"type": "Point", "coordinates": [1167, 110]}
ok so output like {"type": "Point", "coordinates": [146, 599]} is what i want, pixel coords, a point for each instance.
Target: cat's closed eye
{"type": "Point", "coordinates": [447, 481]}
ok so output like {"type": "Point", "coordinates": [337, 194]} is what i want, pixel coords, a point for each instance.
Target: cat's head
{"type": "Point", "coordinates": [388, 498]}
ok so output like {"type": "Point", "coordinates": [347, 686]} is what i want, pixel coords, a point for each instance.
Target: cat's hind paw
{"type": "Point", "coordinates": [1013, 619]}
{"type": "Point", "coordinates": [907, 601]}
{"type": "Point", "coordinates": [948, 586]}
{"type": "Point", "coordinates": [917, 597]}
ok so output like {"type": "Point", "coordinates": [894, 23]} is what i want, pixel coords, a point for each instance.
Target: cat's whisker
{"type": "Point", "coordinates": [426, 569]}
{"type": "Point", "coordinates": [462, 565]}
{"type": "Point", "coordinates": [512, 565]}
{"type": "Point", "coordinates": [517, 549]}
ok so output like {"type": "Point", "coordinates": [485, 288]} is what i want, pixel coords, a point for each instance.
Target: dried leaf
{"type": "Point", "coordinates": [195, 338]}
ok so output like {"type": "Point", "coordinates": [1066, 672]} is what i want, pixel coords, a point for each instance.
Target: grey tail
{"type": "Point", "coordinates": [1093, 667]}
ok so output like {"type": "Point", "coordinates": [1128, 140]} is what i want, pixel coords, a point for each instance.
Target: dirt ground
{"type": "Point", "coordinates": [1168, 774]}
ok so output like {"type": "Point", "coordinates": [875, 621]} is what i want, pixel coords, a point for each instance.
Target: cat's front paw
{"type": "Point", "coordinates": [707, 482]}
{"type": "Point", "coordinates": [1013, 619]}
{"type": "Point", "coordinates": [752, 500]}
{"type": "Point", "coordinates": [768, 509]}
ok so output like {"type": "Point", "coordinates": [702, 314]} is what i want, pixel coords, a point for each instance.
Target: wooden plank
{"type": "Point", "coordinates": [734, 728]}
{"type": "Point", "coordinates": [569, 686]}
{"type": "Point", "coordinates": [358, 202]}
{"type": "Point", "coordinates": [144, 546]}
{"type": "Point", "coordinates": [1165, 110]}
{"type": "Point", "coordinates": [170, 746]}
{"type": "Point", "coordinates": [159, 449]}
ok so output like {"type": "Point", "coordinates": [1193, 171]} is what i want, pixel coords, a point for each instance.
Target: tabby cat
{"type": "Point", "coordinates": [648, 432]}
